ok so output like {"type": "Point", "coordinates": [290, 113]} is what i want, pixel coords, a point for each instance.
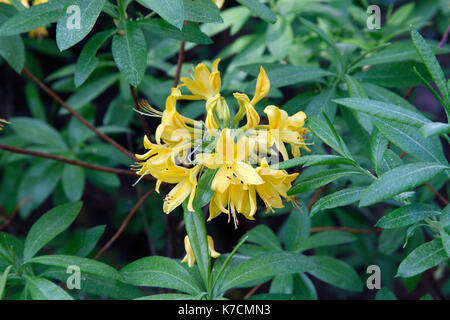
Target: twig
{"type": "Point", "coordinates": [179, 64]}
{"type": "Point", "coordinates": [14, 213]}
{"type": "Point", "coordinates": [345, 229]}
{"type": "Point", "coordinates": [444, 37]}
{"type": "Point", "coordinates": [409, 92]}
{"type": "Point", "coordinates": [72, 162]}
{"type": "Point", "coordinates": [316, 196]}
{"type": "Point", "coordinates": [55, 97]}
{"type": "Point", "coordinates": [441, 197]}
{"type": "Point", "coordinates": [124, 224]}
{"type": "Point", "coordinates": [252, 291]}
{"type": "Point", "coordinates": [141, 117]}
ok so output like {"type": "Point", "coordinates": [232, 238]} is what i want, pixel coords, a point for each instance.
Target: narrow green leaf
{"type": "Point", "coordinates": [434, 129]}
{"type": "Point", "coordinates": [312, 160]}
{"type": "Point", "coordinates": [204, 11]}
{"type": "Point", "coordinates": [384, 110]}
{"type": "Point", "coordinates": [424, 257]}
{"type": "Point", "coordinates": [279, 38]}
{"type": "Point", "coordinates": [196, 231]}
{"type": "Point", "coordinates": [3, 280]}
{"type": "Point", "coordinates": [170, 10]}
{"type": "Point", "coordinates": [326, 238]}
{"type": "Point", "coordinates": [43, 289]}
{"type": "Point", "coordinates": [49, 226]}
{"type": "Point", "coordinates": [408, 215]}
{"type": "Point", "coordinates": [444, 229]}
{"type": "Point", "coordinates": [321, 178]}
{"type": "Point", "coordinates": [87, 266]}
{"type": "Point", "coordinates": [431, 63]}
{"type": "Point", "coordinates": [168, 296]}
{"type": "Point", "coordinates": [265, 237]}
{"type": "Point", "coordinates": [67, 34]}
{"type": "Point", "coordinates": [297, 229]}
{"type": "Point", "coordinates": [378, 146]}
{"type": "Point", "coordinates": [399, 180]}
{"type": "Point", "coordinates": [13, 51]}
{"type": "Point", "coordinates": [38, 132]}
{"type": "Point", "coordinates": [336, 273]}
{"type": "Point", "coordinates": [338, 199]}
{"type": "Point", "coordinates": [73, 179]}
{"type": "Point", "coordinates": [190, 31]}
{"type": "Point", "coordinates": [82, 244]}
{"type": "Point", "coordinates": [130, 52]}
{"type": "Point", "coordinates": [87, 61]}
{"type": "Point", "coordinates": [160, 272]}
{"type": "Point", "coordinates": [204, 194]}
{"type": "Point", "coordinates": [266, 265]}
{"type": "Point", "coordinates": [260, 10]}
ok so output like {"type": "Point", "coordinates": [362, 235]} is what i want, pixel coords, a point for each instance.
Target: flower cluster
{"type": "Point", "coordinates": [38, 32]}
{"type": "Point", "coordinates": [237, 149]}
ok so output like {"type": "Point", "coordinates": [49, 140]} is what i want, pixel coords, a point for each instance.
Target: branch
{"type": "Point", "coordinates": [55, 97]}
{"type": "Point", "coordinates": [124, 224]}
{"type": "Point", "coordinates": [179, 64]}
{"type": "Point", "coordinates": [72, 162]}
{"type": "Point", "coordinates": [141, 117]}
{"type": "Point", "coordinates": [14, 213]}
{"type": "Point", "coordinates": [444, 37]}
{"type": "Point", "coordinates": [345, 229]}
{"type": "Point", "coordinates": [316, 196]}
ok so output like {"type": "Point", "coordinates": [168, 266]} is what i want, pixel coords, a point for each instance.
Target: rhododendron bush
{"type": "Point", "coordinates": [224, 149]}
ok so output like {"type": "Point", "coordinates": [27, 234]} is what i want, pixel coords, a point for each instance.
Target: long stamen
{"type": "Point", "coordinates": [140, 178]}
{"type": "Point", "coordinates": [148, 110]}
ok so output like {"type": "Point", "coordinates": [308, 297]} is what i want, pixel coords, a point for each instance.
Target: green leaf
{"type": "Point", "coordinates": [34, 101]}
{"type": "Point", "coordinates": [32, 18]}
{"type": "Point", "coordinates": [204, 194]}
{"type": "Point", "coordinates": [265, 237]}
{"type": "Point", "coordinates": [444, 229]}
{"type": "Point", "coordinates": [201, 11]}
{"type": "Point", "coordinates": [67, 36]}
{"type": "Point", "coordinates": [311, 26]}
{"type": "Point", "coordinates": [83, 243]}
{"type": "Point", "coordinates": [160, 272]}
{"type": "Point", "coordinates": [392, 75]}
{"type": "Point", "coordinates": [73, 179]}
{"type": "Point", "coordinates": [411, 141]}
{"type": "Point", "coordinates": [266, 265]}
{"type": "Point", "coordinates": [38, 132]}
{"type": "Point", "coordinates": [170, 10]}
{"type": "Point", "coordinates": [276, 296]}
{"type": "Point", "coordinates": [130, 52]}
{"type": "Point", "coordinates": [11, 249]}
{"type": "Point", "coordinates": [326, 238]}
{"type": "Point", "coordinates": [3, 280]}
{"type": "Point", "coordinates": [43, 289]}
{"type": "Point", "coordinates": [13, 51]}
{"type": "Point", "coordinates": [384, 110]}
{"type": "Point", "coordinates": [422, 258]}
{"type": "Point", "coordinates": [196, 231]}
{"type": "Point", "coordinates": [89, 91]}
{"type": "Point", "coordinates": [336, 273]}
{"type": "Point", "coordinates": [390, 240]}
{"type": "Point", "coordinates": [279, 37]}
{"type": "Point", "coordinates": [297, 229]}
{"type": "Point", "coordinates": [434, 129]}
{"type": "Point", "coordinates": [312, 160]}
{"type": "Point", "coordinates": [304, 286]}
{"type": "Point", "coordinates": [338, 199]}
{"type": "Point", "coordinates": [49, 226]}
{"type": "Point", "coordinates": [378, 146]}
{"type": "Point", "coordinates": [319, 179]}
{"type": "Point", "coordinates": [87, 61]}
{"type": "Point", "coordinates": [260, 10]}
{"type": "Point", "coordinates": [168, 296]}
{"type": "Point", "coordinates": [355, 90]}
{"type": "Point", "coordinates": [327, 134]}
{"type": "Point", "coordinates": [87, 266]}
{"type": "Point", "coordinates": [431, 63]}
{"type": "Point", "coordinates": [408, 215]}
{"type": "Point", "coordinates": [399, 180]}
{"type": "Point", "coordinates": [190, 31]}
{"type": "Point", "coordinates": [385, 294]}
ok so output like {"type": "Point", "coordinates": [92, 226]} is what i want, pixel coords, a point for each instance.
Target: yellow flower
{"type": "Point", "coordinates": [237, 198]}
{"type": "Point", "coordinates": [230, 160]}
{"type": "Point", "coordinates": [276, 185]}
{"type": "Point", "coordinates": [246, 107]}
{"type": "Point", "coordinates": [23, 2]}
{"type": "Point", "coordinates": [205, 84]}
{"type": "Point", "coordinates": [285, 129]}
{"type": "Point", "coordinates": [190, 257]}
{"type": "Point", "coordinates": [219, 3]}
{"type": "Point", "coordinates": [40, 33]}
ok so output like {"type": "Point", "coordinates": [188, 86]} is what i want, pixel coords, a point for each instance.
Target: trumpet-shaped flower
{"type": "Point", "coordinates": [190, 257]}
{"type": "Point", "coordinates": [205, 85]}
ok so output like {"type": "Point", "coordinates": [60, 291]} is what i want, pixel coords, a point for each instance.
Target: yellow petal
{"type": "Point", "coordinates": [213, 253]}
{"type": "Point", "coordinates": [246, 173]}
{"type": "Point", "coordinates": [262, 86]}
